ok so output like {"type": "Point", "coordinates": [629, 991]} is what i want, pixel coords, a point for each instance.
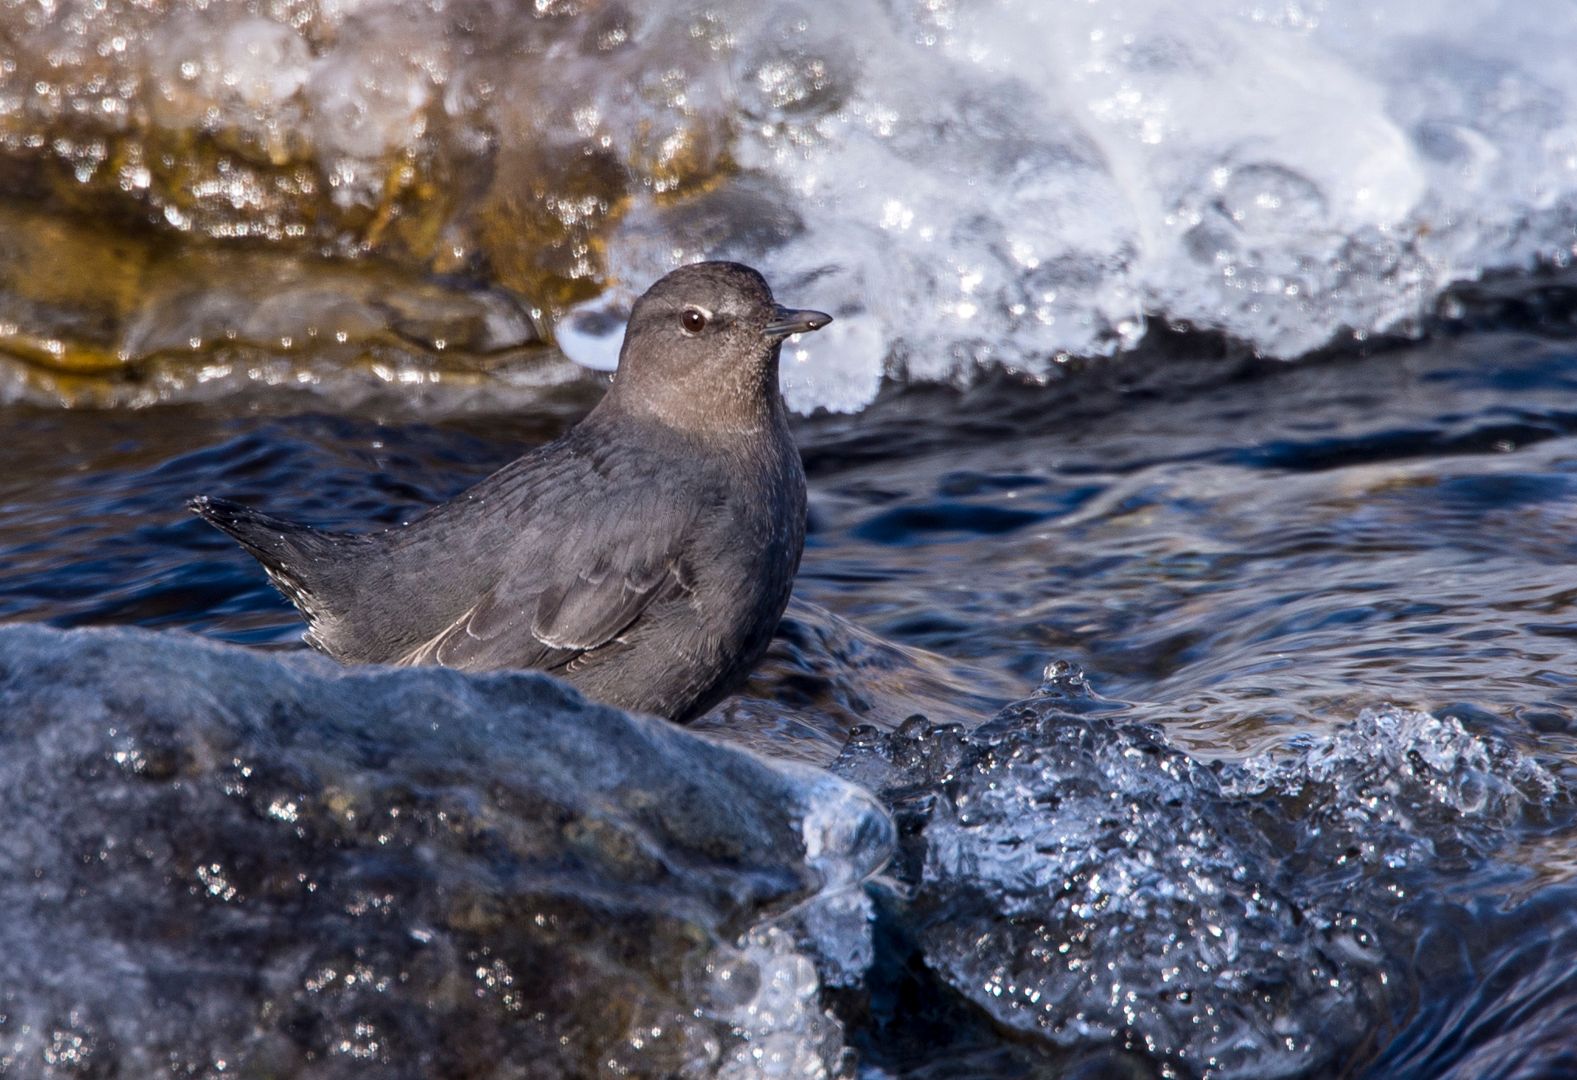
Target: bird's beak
{"type": "Point", "coordinates": [786, 322]}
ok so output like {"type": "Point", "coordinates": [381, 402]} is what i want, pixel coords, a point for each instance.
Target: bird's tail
{"type": "Point", "coordinates": [302, 562]}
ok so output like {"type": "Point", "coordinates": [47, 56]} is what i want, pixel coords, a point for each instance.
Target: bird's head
{"type": "Point", "coordinates": [701, 348]}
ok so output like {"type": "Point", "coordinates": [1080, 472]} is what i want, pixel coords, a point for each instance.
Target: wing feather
{"type": "Point", "coordinates": [573, 580]}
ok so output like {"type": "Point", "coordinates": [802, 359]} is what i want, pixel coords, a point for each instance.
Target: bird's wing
{"type": "Point", "coordinates": [571, 582]}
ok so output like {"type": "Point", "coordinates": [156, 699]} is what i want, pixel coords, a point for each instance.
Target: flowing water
{"type": "Point", "coordinates": [1189, 570]}
{"type": "Point", "coordinates": [1257, 557]}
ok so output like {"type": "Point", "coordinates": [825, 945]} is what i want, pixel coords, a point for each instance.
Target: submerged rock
{"type": "Point", "coordinates": [218, 862]}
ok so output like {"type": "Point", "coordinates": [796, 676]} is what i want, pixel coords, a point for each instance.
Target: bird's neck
{"type": "Point", "coordinates": [741, 402]}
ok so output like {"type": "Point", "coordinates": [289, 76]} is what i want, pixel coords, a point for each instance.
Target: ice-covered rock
{"type": "Point", "coordinates": [1014, 182]}
{"type": "Point", "coordinates": [1394, 787]}
{"type": "Point", "coordinates": [1085, 884]}
{"type": "Point", "coordinates": [219, 862]}
{"type": "Point", "coordinates": [960, 184]}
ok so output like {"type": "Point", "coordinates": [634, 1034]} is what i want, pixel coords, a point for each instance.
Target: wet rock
{"type": "Point", "coordinates": [219, 862]}
{"type": "Point", "coordinates": [99, 319]}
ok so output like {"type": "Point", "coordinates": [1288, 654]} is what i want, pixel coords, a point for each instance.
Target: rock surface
{"type": "Point", "coordinates": [218, 863]}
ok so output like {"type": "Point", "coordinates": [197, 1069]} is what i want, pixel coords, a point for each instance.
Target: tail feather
{"type": "Point", "coordinates": [303, 562]}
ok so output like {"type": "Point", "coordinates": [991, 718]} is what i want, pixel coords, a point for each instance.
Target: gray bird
{"type": "Point", "coordinates": [646, 556]}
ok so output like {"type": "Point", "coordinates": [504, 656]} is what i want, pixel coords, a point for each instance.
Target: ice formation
{"type": "Point", "coordinates": [960, 183]}
{"type": "Point", "coordinates": [1084, 883]}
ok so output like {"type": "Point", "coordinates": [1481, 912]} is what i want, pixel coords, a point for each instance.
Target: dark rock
{"type": "Point", "coordinates": [221, 863]}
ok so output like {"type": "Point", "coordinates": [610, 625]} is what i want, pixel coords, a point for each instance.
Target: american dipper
{"type": "Point", "coordinates": [645, 556]}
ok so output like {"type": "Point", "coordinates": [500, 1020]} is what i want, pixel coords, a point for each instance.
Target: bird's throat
{"type": "Point", "coordinates": [703, 401]}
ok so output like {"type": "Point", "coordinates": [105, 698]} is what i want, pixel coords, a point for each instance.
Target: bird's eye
{"type": "Point", "coordinates": [693, 320]}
